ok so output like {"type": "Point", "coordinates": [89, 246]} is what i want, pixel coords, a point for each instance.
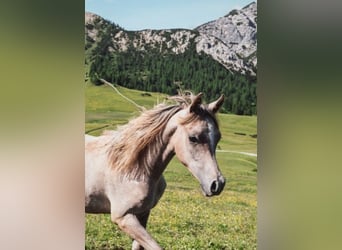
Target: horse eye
{"type": "Point", "coordinates": [193, 139]}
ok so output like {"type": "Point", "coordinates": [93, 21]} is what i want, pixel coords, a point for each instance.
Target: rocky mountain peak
{"type": "Point", "coordinates": [90, 17]}
{"type": "Point", "coordinates": [232, 39]}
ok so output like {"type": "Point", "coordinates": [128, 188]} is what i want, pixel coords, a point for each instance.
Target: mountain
{"type": "Point", "coordinates": [164, 41]}
{"type": "Point", "coordinates": [232, 39]}
{"type": "Point", "coordinates": [216, 57]}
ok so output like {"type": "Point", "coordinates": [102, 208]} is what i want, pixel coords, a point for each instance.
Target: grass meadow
{"type": "Point", "coordinates": [184, 218]}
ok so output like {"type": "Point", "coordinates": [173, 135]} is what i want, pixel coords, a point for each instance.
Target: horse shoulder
{"type": "Point", "coordinates": [96, 170]}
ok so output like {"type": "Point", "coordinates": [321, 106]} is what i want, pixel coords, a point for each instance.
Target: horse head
{"type": "Point", "coordinates": [195, 139]}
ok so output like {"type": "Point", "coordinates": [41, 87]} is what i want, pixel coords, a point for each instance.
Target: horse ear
{"type": "Point", "coordinates": [195, 102]}
{"type": "Point", "coordinates": [216, 105]}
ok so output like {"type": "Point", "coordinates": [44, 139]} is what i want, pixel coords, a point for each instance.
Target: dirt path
{"type": "Point", "coordinates": [119, 93]}
{"type": "Point", "coordinates": [237, 152]}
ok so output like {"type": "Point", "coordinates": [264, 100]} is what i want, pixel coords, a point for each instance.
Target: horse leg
{"type": "Point", "coordinates": [143, 221]}
{"type": "Point", "coordinates": [144, 217]}
{"type": "Point", "coordinates": [130, 224]}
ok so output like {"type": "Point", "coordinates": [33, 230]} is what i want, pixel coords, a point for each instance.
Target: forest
{"type": "Point", "coordinates": [165, 72]}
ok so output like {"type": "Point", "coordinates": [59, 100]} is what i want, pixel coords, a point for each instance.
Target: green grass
{"type": "Point", "coordinates": [232, 124]}
{"type": "Point", "coordinates": [184, 218]}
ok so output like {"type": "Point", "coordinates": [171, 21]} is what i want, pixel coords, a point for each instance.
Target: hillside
{"type": "Point", "coordinates": [217, 57]}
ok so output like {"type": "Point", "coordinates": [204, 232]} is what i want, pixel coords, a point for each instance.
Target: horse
{"type": "Point", "coordinates": [124, 167]}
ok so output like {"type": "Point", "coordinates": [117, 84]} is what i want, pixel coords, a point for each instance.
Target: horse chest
{"type": "Point", "coordinates": [133, 197]}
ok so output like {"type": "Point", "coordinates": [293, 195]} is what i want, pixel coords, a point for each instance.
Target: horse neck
{"type": "Point", "coordinates": [141, 150]}
{"type": "Point", "coordinates": [163, 153]}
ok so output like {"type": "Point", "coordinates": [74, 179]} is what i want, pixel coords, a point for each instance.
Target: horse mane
{"type": "Point", "coordinates": [134, 144]}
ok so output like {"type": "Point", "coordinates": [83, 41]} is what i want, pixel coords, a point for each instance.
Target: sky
{"type": "Point", "coordinates": [162, 14]}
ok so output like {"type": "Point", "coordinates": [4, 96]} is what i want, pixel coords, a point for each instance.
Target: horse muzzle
{"type": "Point", "coordinates": [215, 188]}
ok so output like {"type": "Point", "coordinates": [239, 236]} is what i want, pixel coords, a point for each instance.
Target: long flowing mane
{"type": "Point", "coordinates": [133, 145]}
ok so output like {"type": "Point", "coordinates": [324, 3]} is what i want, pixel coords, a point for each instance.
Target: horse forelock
{"type": "Point", "coordinates": [201, 113]}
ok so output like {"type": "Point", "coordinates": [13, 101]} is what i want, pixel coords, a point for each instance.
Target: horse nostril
{"type": "Point", "coordinates": [214, 187]}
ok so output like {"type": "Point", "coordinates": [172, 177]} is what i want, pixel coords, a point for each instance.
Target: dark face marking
{"type": "Point", "coordinates": [213, 134]}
